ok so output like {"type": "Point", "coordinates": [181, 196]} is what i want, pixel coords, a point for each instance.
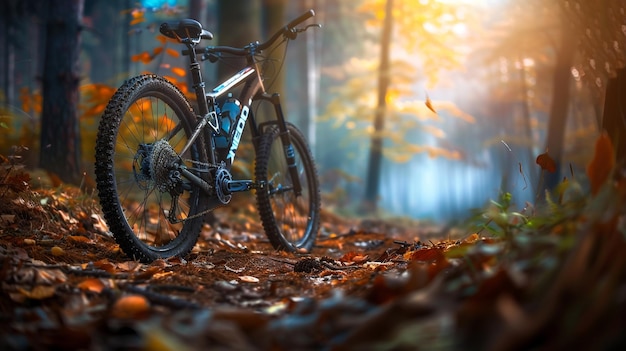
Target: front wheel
{"type": "Point", "coordinates": [291, 221]}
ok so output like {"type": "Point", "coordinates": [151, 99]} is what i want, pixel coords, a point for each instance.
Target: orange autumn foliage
{"type": "Point", "coordinates": [602, 163]}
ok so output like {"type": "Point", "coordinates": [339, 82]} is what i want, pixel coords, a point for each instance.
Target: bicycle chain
{"type": "Point", "coordinates": [208, 165]}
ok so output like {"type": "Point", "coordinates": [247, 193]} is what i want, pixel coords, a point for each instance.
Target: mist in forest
{"type": "Point", "coordinates": [476, 89]}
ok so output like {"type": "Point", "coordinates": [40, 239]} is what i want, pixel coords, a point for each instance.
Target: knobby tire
{"type": "Point", "coordinates": [144, 110]}
{"type": "Point", "coordinates": [291, 223]}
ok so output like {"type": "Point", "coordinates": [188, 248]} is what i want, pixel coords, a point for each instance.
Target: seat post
{"type": "Point", "coordinates": [198, 83]}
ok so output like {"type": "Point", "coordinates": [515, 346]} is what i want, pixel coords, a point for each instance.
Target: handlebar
{"type": "Point", "coordinates": [288, 30]}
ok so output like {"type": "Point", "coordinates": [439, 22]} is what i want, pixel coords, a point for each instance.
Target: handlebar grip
{"type": "Point", "coordinates": [305, 16]}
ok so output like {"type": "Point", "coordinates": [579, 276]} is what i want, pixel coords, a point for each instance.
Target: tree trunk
{"type": "Point", "coordinates": [376, 149]}
{"type": "Point", "coordinates": [559, 107]}
{"type": "Point", "coordinates": [4, 51]}
{"type": "Point", "coordinates": [7, 56]}
{"type": "Point", "coordinates": [196, 10]}
{"type": "Point", "coordinates": [60, 137]}
{"type": "Point", "coordinates": [614, 117]}
{"type": "Point", "coordinates": [530, 170]}
{"type": "Point", "coordinates": [313, 50]}
{"type": "Point", "coordinates": [239, 24]}
{"type": "Point", "coordinates": [105, 52]}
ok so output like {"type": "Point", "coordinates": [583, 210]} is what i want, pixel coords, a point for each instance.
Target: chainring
{"type": "Point", "coordinates": [222, 177]}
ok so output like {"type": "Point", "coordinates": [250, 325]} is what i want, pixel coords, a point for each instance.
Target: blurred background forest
{"type": "Point", "coordinates": [475, 90]}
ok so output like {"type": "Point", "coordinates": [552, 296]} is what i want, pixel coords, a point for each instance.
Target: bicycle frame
{"type": "Point", "coordinates": [253, 90]}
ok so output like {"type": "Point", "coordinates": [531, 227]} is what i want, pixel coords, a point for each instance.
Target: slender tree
{"type": "Point", "coordinates": [376, 148]}
{"type": "Point", "coordinates": [239, 24]}
{"type": "Point", "coordinates": [274, 14]}
{"type": "Point", "coordinates": [561, 81]}
{"type": "Point", "coordinates": [60, 137]}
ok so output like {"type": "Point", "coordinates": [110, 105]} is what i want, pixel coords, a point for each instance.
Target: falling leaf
{"type": "Point", "coordinates": [546, 162]}
{"type": "Point", "coordinates": [429, 104]}
{"type": "Point", "coordinates": [602, 163]}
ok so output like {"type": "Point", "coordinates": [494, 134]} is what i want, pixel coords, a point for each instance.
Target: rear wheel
{"type": "Point", "coordinates": [147, 204]}
{"type": "Point", "coordinates": [291, 221]}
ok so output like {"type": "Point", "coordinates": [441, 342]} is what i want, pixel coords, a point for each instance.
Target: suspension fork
{"type": "Point", "coordinates": [290, 154]}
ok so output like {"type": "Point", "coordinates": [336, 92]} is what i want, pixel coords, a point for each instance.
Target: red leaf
{"type": "Point", "coordinates": [546, 162]}
{"type": "Point", "coordinates": [431, 254]}
{"type": "Point", "coordinates": [353, 257]}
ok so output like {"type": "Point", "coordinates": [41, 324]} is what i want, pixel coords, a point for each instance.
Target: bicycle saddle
{"type": "Point", "coordinates": [185, 29]}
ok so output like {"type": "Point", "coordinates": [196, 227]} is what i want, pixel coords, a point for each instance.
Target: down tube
{"type": "Point", "coordinates": [245, 116]}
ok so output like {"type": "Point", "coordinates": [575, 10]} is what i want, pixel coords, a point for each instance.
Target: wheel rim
{"type": "Point", "coordinates": [146, 208]}
{"type": "Point", "coordinates": [292, 213]}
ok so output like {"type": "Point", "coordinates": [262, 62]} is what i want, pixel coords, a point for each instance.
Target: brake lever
{"type": "Point", "coordinates": [211, 56]}
{"type": "Point", "coordinates": [301, 30]}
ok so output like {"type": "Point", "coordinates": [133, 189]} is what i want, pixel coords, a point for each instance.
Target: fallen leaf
{"type": "Point", "coordinates": [79, 239]}
{"type": "Point", "coordinates": [375, 265]}
{"type": "Point", "coordinates": [91, 284]}
{"type": "Point", "coordinates": [602, 163]}
{"type": "Point", "coordinates": [249, 279]}
{"type": "Point", "coordinates": [129, 266]}
{"type": "Point", "coordinates": [39, 292]}
{"type": "Point", "coordinates": [57, 251]}
{"type": "Point", "coordinates": [130, 307]}
{"type": "Point", "coordinates": [429, 254]}
{"type": "Point", "coordinates": [546, 162]}
{"type": "Point", "coordinates": [353, 257]}
{"type": "Point", "coordinates": [148, 273]}
{"type": "Point", "coordinates": [8, 218]}
{"type": "Point", "coordinates": [472, 238]}
{"type": "Point", "coordinates": [105, 265]}
{"type": "Point", "coordinates": [99, 223]}
{"type": "Point", "coordinates": [67, 218]}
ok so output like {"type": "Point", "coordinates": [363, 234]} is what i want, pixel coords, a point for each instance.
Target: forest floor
{"type": "Point", "coordinates": [367, 284]}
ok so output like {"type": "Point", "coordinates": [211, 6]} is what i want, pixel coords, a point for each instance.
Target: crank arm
{"type": "Point", "coordinates": [234, 186]}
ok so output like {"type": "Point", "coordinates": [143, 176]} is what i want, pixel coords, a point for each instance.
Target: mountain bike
{"type": "Point", "coordinates": [162, 165]}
